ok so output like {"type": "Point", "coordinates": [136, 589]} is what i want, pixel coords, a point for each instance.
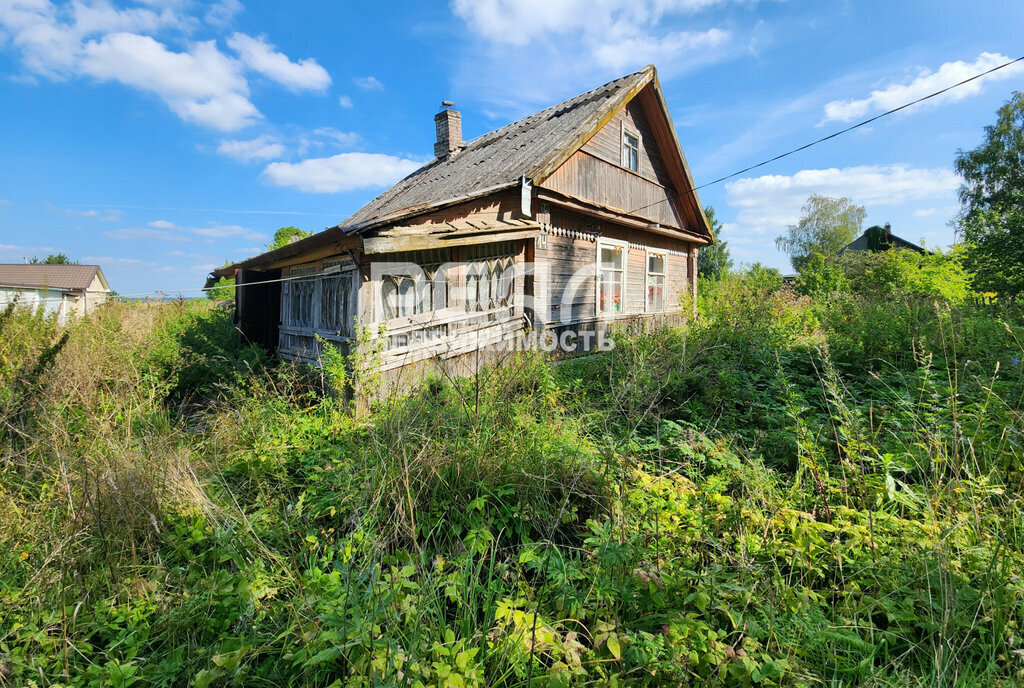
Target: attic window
{"type": "Point", "coordinates": [630, 148]}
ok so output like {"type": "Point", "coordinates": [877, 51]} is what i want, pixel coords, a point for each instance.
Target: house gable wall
{"type": "Point", "coordinates": [595, 172]}
{"type": "Point", "coordinates": [606, 144]}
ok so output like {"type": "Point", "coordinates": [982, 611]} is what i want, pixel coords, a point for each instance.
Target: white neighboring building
{"type": "Point", "coordinates": [61, 289]}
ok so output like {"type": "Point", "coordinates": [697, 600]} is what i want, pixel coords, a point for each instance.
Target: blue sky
{"type": "Point", "coordinates": [162, 137]}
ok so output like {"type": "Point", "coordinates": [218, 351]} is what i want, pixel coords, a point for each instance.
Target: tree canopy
{"type": "Point", "coordinates": [713, 261]}
{"type": "Point", "coordinates": [826, 226]}
{"type": "Point", "coordinates": [991, 220]}
{"type": "Point", "coordinates": [285, 236]}
{"type": "Point", "coordinates": [53, 259]}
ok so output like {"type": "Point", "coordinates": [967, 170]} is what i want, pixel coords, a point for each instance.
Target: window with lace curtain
{"type": "Point", "coordinates": [611, 276]}
{"type": "Point", "coordinates": [655, 281]}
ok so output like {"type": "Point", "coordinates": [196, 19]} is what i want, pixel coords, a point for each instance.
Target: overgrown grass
{"type": "Point", "coordinates": [788, 491]}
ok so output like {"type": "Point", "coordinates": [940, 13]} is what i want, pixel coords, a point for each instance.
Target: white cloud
{"type": "Point", "coordinates": [137, 233]}
{"type": "Point", "coordinates": [494, 19]}
{"type": "Point", "coordinates": [342, 172]}
{"type": "Point", "coordinates": [226, 231]}
{"type": "Point", "coordinates": [261, 148]}
{"type": "Point", "coordinates": [110, 260]}
{"type": "Point", "coordinates": [949, 211]}
{"type": "Point", "coordinates": [621, 53]}
{"type": "Point", "coordinates": [102, 216]}
{"type": "Point", "coordinates": [368, 83]}
{"type": "Point", "coordinates": [345, 139]}
{"type": "Point", "coordinates": [197, 82]}
{"type": "Point", "coordinates": [11, 248]}
{"type": "Point", "coordinates": [222, 13]}
{"type": "Point", "coordinates": [345, 102]}
{"type": "Point", "coordinates": [202, 86]}
{"type": "Point", "coordinates": [162, 230]}
{"type": "Point", "coordinates": [262, 57]}
{"type": "Point", "coordinates": [524, 52]}
{"type": "Point", "coordinates": [926, 82]}
{"type": "Point", "coordinates": [766, 205]}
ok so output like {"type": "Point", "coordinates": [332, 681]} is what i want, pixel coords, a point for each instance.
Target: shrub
{"type": "Point", "coordinates": [821, 278]}
{"type": "Point", "coordinates": [902, 273]}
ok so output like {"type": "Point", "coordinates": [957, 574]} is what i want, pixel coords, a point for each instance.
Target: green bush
{"type": "Point", "coordinates": [821, 278]}
{"type": "Point", "coordinates": [903, 273]}
{"type": "Point", "coordinates": [792, 490]}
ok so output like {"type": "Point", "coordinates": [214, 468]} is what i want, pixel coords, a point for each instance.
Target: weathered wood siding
{"type": "Point", "coordinates": [567, 258]}
{"type": "Point", "coordinates": [606, 144]}
{"type": "Point", "coordinates": [595, 172]}
{"type": "Point", "coordinates": [590, 178]}
{"type": "Point", "coordinates": [498, 206]}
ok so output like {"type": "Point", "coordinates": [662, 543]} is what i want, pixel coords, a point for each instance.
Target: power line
{"type": "Point", "coordinates": [837, 133]}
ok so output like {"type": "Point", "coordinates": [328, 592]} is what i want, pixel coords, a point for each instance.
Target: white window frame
{"type": "Point", "coordinates": [626, 130]}
{"type": "Point", "coordinates": [647, 282]}
{"type": "Point", "coordinates": [603, 243]}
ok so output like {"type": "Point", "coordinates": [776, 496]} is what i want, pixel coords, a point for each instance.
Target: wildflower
{"type": "Point", "coordinates": [24, 556]}
{"type": "Point", "coordinates": [1016, 361]}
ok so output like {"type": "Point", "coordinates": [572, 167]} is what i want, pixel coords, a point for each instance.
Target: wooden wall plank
{"type": "Point", "coordinates": [586, 176]}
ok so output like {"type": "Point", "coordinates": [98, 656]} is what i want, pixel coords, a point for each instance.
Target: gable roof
{"type": "Point", "coordinates": [861, 244]}
{"type": "Point", "coordinates": [66, 277]}
{"type": "Point", "coordinates": [532, 147]}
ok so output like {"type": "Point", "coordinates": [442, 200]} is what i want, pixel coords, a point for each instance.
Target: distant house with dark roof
{"type": "Point", "coordinates": [574, 218]}
{"type": "Point", "coordinates": [880, 239]}
{"type": "Point", "coordinates": [62, 289]}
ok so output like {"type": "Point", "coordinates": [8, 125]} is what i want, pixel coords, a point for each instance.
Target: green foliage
{"type": "Point", "coordinates": [992, 194]}
{"type": "Point", "coordinates": [53, 259]}
{"type": "Point", "coordinates": [877, 237]}
{"type": "Point", "coordinates": [792, 490]}
{"type": "Point", "coordinates": [826, 226]}
{"type": "Point", "coordinates": [222, 290]}
{"type": "Point", "coordinates": [902, 273]}
{"type": "Point", "coordinates": [821, 277]}
{"type": "Point", "coordinates": [713, 261]}
{"type": "Point", "coordinates": [198, 354]}
{"type": "Point", "coordinates": [285, 236]}
{"type": "Point", "coordinates": [762, 277]}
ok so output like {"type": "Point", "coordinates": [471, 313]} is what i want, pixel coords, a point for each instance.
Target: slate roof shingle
{"type": "Point", "coordinates": [500, 157]}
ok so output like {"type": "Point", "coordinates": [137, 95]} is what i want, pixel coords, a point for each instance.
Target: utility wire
{"type": "Point", "coordinates": [692, 189]}
{"type": "Point", "coordinates": [837, 133]}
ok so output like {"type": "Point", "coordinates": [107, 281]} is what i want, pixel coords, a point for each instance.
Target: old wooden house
{"type": "Point", "coordinates": [573, 219]}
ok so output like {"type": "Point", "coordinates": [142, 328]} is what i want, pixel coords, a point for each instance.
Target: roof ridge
{"type": "Point", "coordinates": [586, 96]}
{"type": "Point", "coordinates": [498, 157]}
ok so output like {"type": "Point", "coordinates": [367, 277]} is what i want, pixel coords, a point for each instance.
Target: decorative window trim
{"type": "Point", "coordinates": [623, 248]}
{"type": "Point", "coordinates": [647, 282]}
{"type": "Point", "coordinates": [305, 307]}
{"type": "Point", "coordinates": [624, 131]}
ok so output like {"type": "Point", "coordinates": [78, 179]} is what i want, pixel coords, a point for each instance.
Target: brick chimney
{"type": "Point", "coordinates": [888, 229]}
{"type": "Point", "coordinates": [449, 130]}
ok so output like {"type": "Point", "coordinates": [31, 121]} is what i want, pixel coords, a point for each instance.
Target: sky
{"type": "Point", "coordinates": [161, 138]}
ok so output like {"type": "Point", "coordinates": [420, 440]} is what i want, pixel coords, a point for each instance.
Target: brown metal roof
{"type": "Point", "coordinates": [72, 277]}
